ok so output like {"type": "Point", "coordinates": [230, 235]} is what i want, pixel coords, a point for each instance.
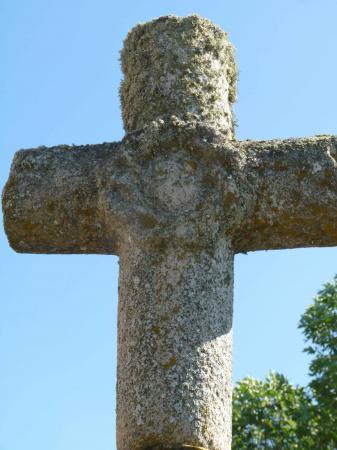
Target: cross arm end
{"type": "Point", "coordinates": [51, 201]}
{"type": "Point", "coordinates": [294, 194]}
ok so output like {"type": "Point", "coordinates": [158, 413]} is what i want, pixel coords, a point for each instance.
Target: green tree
{"type": "Point", "coordinates": [272, 414]}
{"type": "Point", "coordinates": [319, 325]}
{"type": "Point", "coordinates": [277, 415]}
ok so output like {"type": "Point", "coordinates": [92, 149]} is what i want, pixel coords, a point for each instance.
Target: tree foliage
{"type": "Point", "coordinates": [274, 414]}
{"type": "Point", "coordinates": [271, 414]}
{"type": "Point", "coordinates": [319, 325]}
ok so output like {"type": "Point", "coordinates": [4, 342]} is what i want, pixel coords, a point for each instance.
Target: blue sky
{"type": "Point", "coordinates": [59, 84]}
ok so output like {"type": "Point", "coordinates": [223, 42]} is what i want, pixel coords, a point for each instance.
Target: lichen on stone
{"type": "Point", "coordinates": [178, 66]}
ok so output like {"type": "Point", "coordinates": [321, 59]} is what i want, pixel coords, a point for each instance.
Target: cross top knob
{"type": "Point", "coordinates": [178, 66]}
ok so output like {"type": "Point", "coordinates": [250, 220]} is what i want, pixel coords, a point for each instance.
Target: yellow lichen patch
{"type": "Point", "coordinates": [205, 414]}
{"type": "Point", "coordinates": [192, 447]}
{"type": "Point", "coordinates": [87, 212]}
{"type": "Point", "coordinates": [147, 220]}
{"type": "Point", "coordinates": [28, 226]}
{"type": "Point", "coordinates": [172, 362]}
{"type": "Point", "coordinates": [176, 309]}
{"type": "Point", "coordinates": [192, 164]}
{"type": "Point", "coordinates": [155, 329]}
{"type": "Point", "coordinates": [50, 207]}
{"type": "Point", "coordinates": [204, 429]}
{"type": "Point", "coordinates": [122, 163]}
{"type": "Point", "coordinates": [209, 180]}
{"type": "Point", "coordinates": [229, 199]}
{"type": "Point", "coordinates": [280, 166]}
{"type": "Point", "coordinates": [160, 171]}
{"type": "Point", "coordinates": [300, 174]}
{"type": "Point", "coordinates": [151, 443]}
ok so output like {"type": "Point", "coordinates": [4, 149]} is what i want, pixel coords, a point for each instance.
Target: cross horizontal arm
{"type": "Point", "coordinates": [295, 202]}
{"type": "Point", "coordinates": [51, 201]}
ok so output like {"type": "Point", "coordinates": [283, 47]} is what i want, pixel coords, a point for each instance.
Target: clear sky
{"type": "Point", "coordinates": [59, 84]}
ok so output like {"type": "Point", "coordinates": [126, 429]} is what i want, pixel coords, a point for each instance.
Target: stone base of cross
{"type": "Point", "coordinates": [175, 199]}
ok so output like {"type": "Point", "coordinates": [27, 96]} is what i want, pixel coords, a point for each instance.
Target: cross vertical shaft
{"type": "Point", "coordinates": [175, 304]}
{"type": "Point", "coordinates": [175, 348]}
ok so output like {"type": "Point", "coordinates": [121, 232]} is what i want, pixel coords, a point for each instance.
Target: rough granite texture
{"type": "Point", "coordinates": [175, 352]}
{"type": "Point", "coordinates": [175, 199]}
{"type": "Point", "coordinates": [178, 66]}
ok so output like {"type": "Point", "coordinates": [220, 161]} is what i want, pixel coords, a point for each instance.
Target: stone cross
{"type": "Point", "coordinates": [175, 199]}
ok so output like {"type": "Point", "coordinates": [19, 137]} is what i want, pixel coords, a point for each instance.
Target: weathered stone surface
{"type": "Point", "coordinates": [295, 181]}
{"type": "Point", "coordinates": [175, 199]}
{"type": "Point", "coordinates": [51, 200]}
{"type": "Point", "coordinates": [178, 66]}
{"type": "Point", "coordinates": [174, 367]}
{"type": "Point", "coordinates": [173, 181]}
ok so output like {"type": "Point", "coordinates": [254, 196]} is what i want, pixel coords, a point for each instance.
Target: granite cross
{"type": "Point", "coordinates": [175, 199]}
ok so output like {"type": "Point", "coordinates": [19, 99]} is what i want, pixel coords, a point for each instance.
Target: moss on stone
{"type": "Point", "coordinates": [178, 66]}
